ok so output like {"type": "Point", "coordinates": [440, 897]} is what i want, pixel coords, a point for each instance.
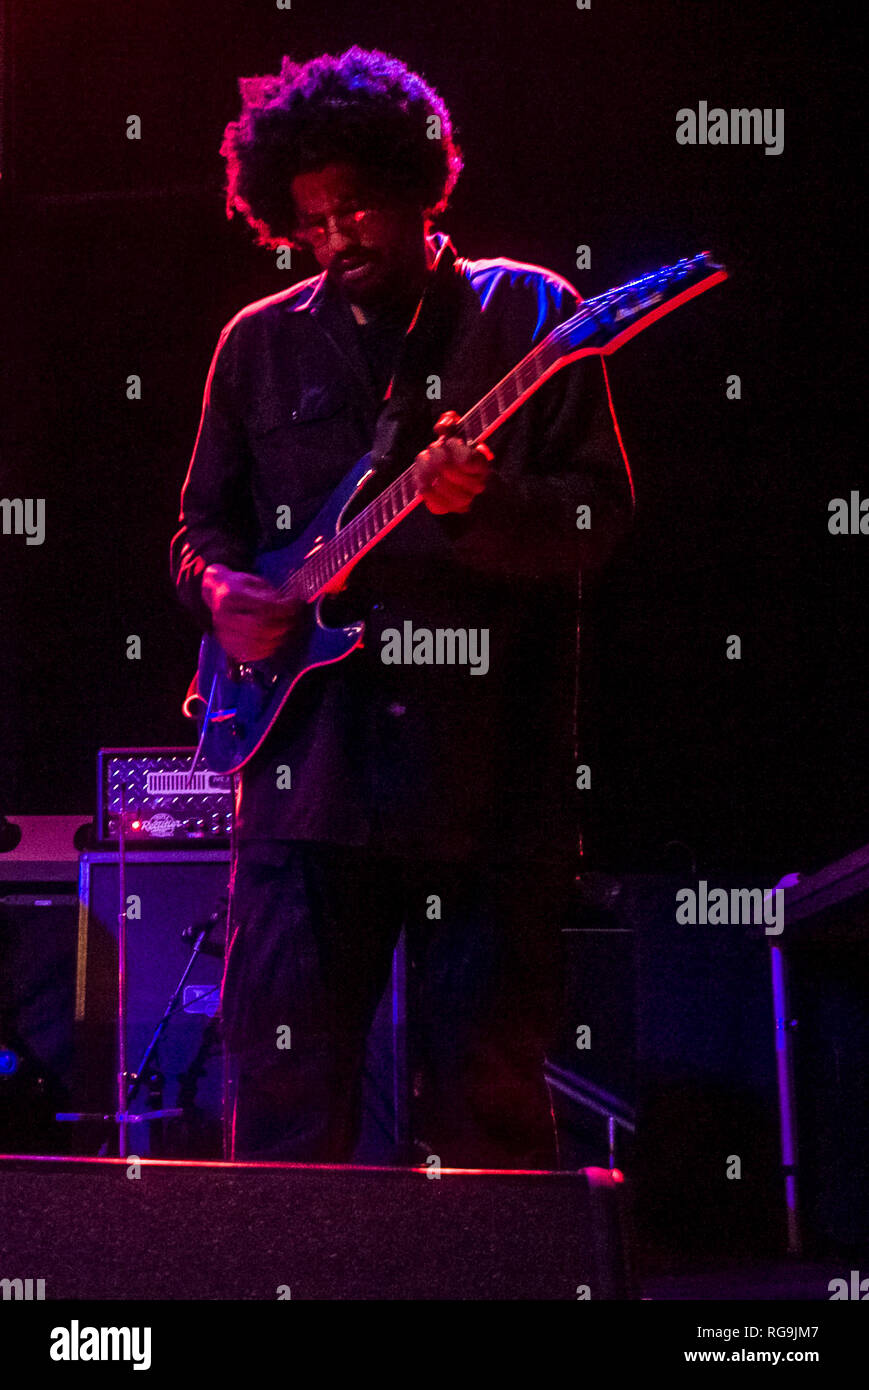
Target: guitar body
{"type": "Point", "coordinates": [242, 700]}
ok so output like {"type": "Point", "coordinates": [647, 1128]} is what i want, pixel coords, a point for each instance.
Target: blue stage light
{"type": "Point", "coordinates": [8, 1062]}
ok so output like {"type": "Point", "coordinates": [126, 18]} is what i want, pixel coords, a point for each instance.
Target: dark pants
{"type": "Point", "coordinates": [313, 931]}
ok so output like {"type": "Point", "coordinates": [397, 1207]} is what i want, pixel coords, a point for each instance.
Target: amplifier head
{"type": "Point", "coordinates": [163, 803]}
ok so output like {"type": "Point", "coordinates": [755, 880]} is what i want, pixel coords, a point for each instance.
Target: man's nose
{"type": "Point", "coordinates": [338, 236]}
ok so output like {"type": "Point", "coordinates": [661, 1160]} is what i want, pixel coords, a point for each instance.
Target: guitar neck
{"type": "Point", "coordinates": [610, 319]}
{"type": "Point", "coordinates": [398, 500]}
{"type": "Point", "coordinates": [322, 569]}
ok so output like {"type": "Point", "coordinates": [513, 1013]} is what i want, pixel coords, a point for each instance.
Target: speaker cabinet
{"type": "Point", "coordinates": [166, 892]}
{"type": "Point", "coordinates": [707, 1146]}
{"type": "Point", "coordinates": [681, 1042]}
{"type": "Point", "coordinates": [38, 943]}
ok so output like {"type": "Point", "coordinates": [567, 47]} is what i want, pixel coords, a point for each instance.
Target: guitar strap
{"type": "Point", "coordinates": [406, 418]}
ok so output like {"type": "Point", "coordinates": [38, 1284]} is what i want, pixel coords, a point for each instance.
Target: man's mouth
{"type": "Point", "coordinates": [355, 270]}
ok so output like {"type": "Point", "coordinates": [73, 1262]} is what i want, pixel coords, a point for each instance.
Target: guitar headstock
{"type": "Point", "coordinates": [644, 298]}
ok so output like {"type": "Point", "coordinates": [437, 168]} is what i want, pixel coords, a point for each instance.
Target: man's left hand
{"type": "Point", "coordinates": [450, 473]}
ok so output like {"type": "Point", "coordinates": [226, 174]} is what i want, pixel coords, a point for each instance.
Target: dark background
{"type": "Point", "coordinates": [119, 260]}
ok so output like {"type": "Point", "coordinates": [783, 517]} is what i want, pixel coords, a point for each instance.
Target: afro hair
{"type": "Point", "coordinates": [361, 107]}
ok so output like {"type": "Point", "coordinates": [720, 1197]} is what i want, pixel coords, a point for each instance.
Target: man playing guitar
{"type": "Point", "coordinates": [395, 793]}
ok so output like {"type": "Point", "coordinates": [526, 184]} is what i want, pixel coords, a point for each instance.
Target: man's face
{"type": "Point", "coordinates": [373, 249]}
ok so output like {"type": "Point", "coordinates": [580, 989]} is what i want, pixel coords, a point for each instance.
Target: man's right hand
{"type": "Point", "coordinates": [250, 621]}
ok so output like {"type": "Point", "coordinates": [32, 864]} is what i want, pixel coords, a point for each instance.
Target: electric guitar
{"type": "Point", "coordinates": [239, 701]}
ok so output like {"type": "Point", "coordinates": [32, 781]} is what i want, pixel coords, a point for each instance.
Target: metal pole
{"type": "Point", "coordinates": [786, 1101]}
{"type": "Point", "coordinates": [122, 979]}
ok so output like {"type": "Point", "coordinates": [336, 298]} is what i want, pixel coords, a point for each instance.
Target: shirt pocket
{"type": "Point", "coordinates": [302, 446]}
{"type": "Point", "coordinates": [314, 405]}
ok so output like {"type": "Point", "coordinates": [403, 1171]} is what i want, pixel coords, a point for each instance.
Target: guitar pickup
{"type": "Point", "coordinates": [217, 716]}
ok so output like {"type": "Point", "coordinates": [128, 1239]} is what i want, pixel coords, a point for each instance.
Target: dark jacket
{"type": "Point", "coordinates": [415, 759]}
